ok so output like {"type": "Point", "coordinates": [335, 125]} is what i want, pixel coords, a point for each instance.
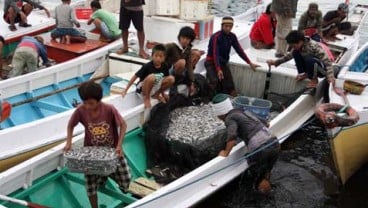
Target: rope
{"type": "Point", "coordinates": [231, 164]}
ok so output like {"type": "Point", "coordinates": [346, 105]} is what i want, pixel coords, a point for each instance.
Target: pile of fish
{"type": "Point", "coordinates": [198, 127]}
{"type": "Point", "coordinates": [92, 160]}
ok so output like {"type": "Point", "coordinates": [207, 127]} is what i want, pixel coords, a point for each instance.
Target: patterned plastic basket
{"type": "Point", "coordinates": [258, 106]}
{"type": "Point", "coordinates": [92, 160]}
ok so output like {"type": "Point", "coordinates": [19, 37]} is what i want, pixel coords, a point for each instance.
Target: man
{"type": "Point", "coordinates": [132, 10]}
{"type": "Point", "coordinates": [17, 12]}
{"type": "Point", "coordinates": [105, 22]}
{"type": "Point", "coordinates": [285, 11]}
{"type": "Point", "coordinates": [26, 54]}
{"type": "Point", "coordinates": [310, 58]}
{"type": "Point", "coordinates": [2, 43]}
{"type": "Point", "coordinates": [310, 23]}
{"type": "Point", "coordinates": [254, 133]}
{"type": "Point", "coordinates": [332, 23]}
{"type": "Point", "coordinates": [263, 30]}
{"type": "Point", "coordinates": [218, 55]}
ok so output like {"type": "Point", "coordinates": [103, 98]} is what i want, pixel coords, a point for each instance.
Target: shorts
{"type": "Point", "coordinates": [127, 15]}
{"type": "Point", "coordinates": [59, 32]}
{"type": "Point", "coordinates": [156, 86]}
{"type": "Point", "coordinates": [107, 33]}
{"type": "Point", "coordinates": [121, 177]}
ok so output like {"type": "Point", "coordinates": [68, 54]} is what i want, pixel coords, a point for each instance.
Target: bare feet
{"type": "Point", "coordinates": [143, 54]}
{"type": "Point", "coordinates": [122, 50]}
{"type": "Point", "coordinates": [67, 39]}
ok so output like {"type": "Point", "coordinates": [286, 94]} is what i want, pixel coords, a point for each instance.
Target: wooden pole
{"type": "Point", "coordinates": [55, 92]}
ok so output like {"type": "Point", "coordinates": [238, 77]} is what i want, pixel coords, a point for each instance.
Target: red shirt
{"type": "Point", "coordinates": [100, 131]}
{"type": "Point", "coordinates": [262, 29]}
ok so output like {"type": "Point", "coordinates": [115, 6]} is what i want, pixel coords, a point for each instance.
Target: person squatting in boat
{"type": "Point", "coordinates": [263, 30]}
{"type": "Point", "coordinates": [218, 72]}
{"type": "Point", "coordinates": [154, 78]}
{"type": "Point", "coordinates": [64, 25]}
{"type": "Point", "coordinates": [255, 134]}
{"type": "Point", "coordinates": [17, 12]}
{"type": "Point", "coordinates": [104, 126]}
{"type": "Point", "coordinates": [311, 59]}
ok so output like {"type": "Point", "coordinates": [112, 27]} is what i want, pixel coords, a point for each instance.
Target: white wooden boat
{"type": "Point", "coordinates": [30, 178]}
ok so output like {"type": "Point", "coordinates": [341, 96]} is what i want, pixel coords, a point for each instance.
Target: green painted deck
{"type": "Point", "coordinates": [61, 188]}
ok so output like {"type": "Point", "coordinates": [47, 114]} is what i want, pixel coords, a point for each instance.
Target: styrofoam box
{"type": "Point", "coordinates": [193, 9]}
{"type": "Point", "coordinates": [167, 7]}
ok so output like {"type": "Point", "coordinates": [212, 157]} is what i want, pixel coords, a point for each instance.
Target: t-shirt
{"type": "Point", "coordinates": [99, 131]}
{"type": "Point", "coordinates": [149, 68]}
{"type": "Point", "coordinates": [64, 16]}
{"type": "Point", "coordinates": [108, 19]}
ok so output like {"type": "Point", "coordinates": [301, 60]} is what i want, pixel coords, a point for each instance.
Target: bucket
{"type": "Point", "coordinates": [353, 87]}
{"type": "Point", "coordinates": [258, 106]}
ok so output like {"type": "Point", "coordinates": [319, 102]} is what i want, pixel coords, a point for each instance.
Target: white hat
{"type": "Point", "coordinates": [221, 104]}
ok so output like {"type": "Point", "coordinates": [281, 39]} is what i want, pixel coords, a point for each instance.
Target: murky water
{"type": "Point", "coordinates": [304, 175]}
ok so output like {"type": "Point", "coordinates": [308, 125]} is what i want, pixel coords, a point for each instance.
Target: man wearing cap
{"type": "Point", "coordinates": [332, 23]}
{"type": "Point", "coordinates": [310, 23]}
{"type": "Point", "coordinates": [254, 133]}
{"type": "Point", "coordinates": [218, 55]}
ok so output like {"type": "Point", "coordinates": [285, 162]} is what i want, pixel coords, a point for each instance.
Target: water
{"type": "Point", "coordinates": [304, 175]}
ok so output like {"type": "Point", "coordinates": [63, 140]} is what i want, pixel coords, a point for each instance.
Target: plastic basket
{"type": "Point", "coordinates": [258, 106]}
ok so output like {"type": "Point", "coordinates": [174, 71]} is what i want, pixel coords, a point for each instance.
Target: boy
{"type": "Point", "coordinates": [254, 133]}
{"type": "Point", "coordinates": [105, 22]}
{"type": "Point", "coordinates": [104, 126]}
{"type": "Point", "coordinates": [64, 25]}
{"type": "Point", "coordinates": [154, 78]}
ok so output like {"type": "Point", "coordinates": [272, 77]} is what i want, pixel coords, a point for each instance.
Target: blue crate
{"type": "Point", "coordinates": [258, 106]}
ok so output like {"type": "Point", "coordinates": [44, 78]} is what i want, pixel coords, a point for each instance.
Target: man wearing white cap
{"type": "Point", "coordinates": [254, 133]}
{"type": "Point", "coordinates": [333, 23]}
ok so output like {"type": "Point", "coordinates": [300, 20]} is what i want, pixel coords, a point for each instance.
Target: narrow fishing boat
{"type": "Point", "coordinates": [45, 173]}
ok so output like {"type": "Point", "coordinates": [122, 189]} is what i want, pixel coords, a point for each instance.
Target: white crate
{"type": "Point", "coordinates": [167, 7]}
{"type": "Point", "coordinates": [193, 9]}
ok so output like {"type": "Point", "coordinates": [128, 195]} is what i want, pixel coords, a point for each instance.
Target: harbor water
{"type": "Point", "coordinates": [304, 175]}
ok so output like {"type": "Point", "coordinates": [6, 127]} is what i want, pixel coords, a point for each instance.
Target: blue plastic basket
{"type": "Point", "coordinates": [258, 106]}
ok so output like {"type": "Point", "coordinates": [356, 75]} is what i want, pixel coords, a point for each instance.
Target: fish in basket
{"type": "Point", "coordinates": [92, 160]}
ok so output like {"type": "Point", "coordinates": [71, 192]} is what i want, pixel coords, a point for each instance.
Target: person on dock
{"type": "Point", "coordinates": [255, 134]}
{"type": "Point", "coordinates": [218, 55]}
{"type": "Point", "coordinates": [2, 43]}
{"type": "Point", "coordinates": [65, 18]}
{"type": "Point", "coordinates": [154, 78]}
{"type": "Point", "coordinates": [104, 126]}
{"type": "Point", "coordinates": [17, 12]}
{"type": "Point", "coordinates": [310, 22]}
{"type": "Point", "coordinates": [311, 59]}
{"type": "Point", "coordinates": [25, 58]}
{"type": "Point", "coordinates": [333, 23]}
{"type": "Point", "coordinates": [263, 30]}
{"type": "Point", "coordinates": [105, 22]}
{"type": "Point", "coordinates": [132, 11]}
{"type": "Point", "coordinates": [285, 12]}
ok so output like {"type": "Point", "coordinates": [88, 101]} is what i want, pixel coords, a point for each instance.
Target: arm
{"type": "Point", "coordinates": [122, 130]}
{"type": "Point", "coordinates": [131, 81]}
{"type": "Point", "coordinates": [302, 22]}
{"type": "Point", "coordinates": [73, 18]}
{"type": "Point", "coordinates": [240, 51]}
{"type": "Point", "coordinates": [73, 121]}
{"type": "Point", "coordinates": [319, 23]}
{"type": "Point", "coordinates": [42, 52]}
{"type": "Point", "coordinates": [232, 132]}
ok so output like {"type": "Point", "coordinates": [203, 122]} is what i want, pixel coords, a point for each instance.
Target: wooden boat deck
{"type": "Point", "coordinates": [64, 52]}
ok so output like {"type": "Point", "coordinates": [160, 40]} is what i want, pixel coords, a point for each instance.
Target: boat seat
{"type": "Point", "coordinates": [64, 52]}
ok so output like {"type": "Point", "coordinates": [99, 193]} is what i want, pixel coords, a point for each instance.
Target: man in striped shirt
{"type": "Point", "coordinates": [218, 55]}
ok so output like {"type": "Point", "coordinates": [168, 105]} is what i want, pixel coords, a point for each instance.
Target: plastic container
{"type": "Point", "coordinates": [92, 160]}
{"type": "Point", "coordinates": [258, 106]}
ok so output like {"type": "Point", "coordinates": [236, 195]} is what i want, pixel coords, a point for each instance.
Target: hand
{"type": "Point", "coordinates": [123, 93]}
{"type": "Point", "coordinates": [77, 24]}
{"type": "Point", "coordinates": [192, 90]}
{"type": "Point", "coordinates": [270, 63]}
{"type": "Point", "coordinates": [220, 75]}
{"type": "Point", "coordinates": [119, 151]}
{"type": "Point", "coordinates": [67, 147]}
{"type": "Point", "coordinates": [253, 66]}
{"type": "Point", "coordinates": [223, 153]}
